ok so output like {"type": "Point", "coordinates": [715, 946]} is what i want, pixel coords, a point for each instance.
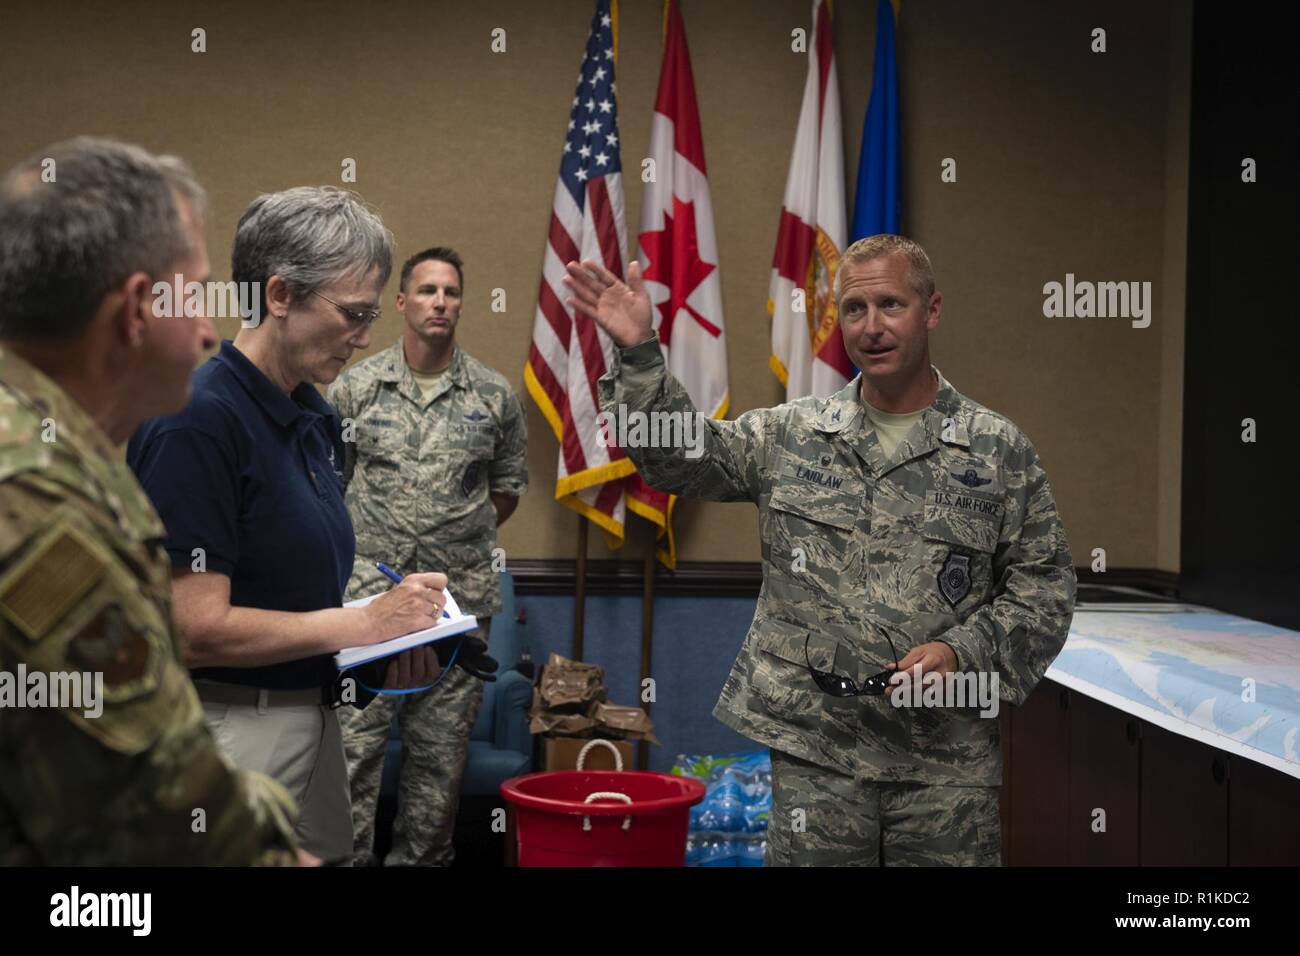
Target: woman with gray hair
{"type": "Point", "coordinates": [249, 482]}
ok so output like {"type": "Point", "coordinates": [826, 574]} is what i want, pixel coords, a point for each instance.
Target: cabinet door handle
{"type": "Point", "coordinates": [1219, 770]}
{"type": "Point", "coordinates": [1131, 731]}
{"type": "Point", "coordinates": [1064, 698]}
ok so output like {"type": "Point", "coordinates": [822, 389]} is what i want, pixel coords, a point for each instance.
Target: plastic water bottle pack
{"type": "Point", "coordinates": [729, 828]}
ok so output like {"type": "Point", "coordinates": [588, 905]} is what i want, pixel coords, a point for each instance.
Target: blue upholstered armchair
{"type": "Point", "coordinates": [500, 745]}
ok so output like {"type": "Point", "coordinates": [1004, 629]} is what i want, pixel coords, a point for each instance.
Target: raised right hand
{"type": "Point", "coordinates": [622, 310]}
{"type": "Point", "coordinates": [413, 605]}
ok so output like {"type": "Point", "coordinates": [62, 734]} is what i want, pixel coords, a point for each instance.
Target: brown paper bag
{"type": "Point", "coordinates": [570, 686]}
{"type": "Point", "coordinates": [626, 723]}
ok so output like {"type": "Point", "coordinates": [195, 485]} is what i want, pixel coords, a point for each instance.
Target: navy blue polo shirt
{"type": "Point", "coordinates": [254, 477]}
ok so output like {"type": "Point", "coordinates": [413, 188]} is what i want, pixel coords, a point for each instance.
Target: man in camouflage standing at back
{"type": "Point", "coordinates": [908, 534]}
{"type": "Point", "coordinates": [86, 228]}
{"type": "Point", "coordinates": [436, 463]}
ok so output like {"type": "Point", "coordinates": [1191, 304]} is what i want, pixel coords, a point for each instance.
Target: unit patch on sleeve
{"type": "Point", "coordinates": [47, 584]}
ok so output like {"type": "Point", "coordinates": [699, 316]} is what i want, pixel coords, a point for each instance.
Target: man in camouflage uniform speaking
{"type": "Point", "coordinates": [897, 517]}
{"type": "Point", "coordinates": [436, 463]}
{"type": "Point", "coordinates": [86, 228]}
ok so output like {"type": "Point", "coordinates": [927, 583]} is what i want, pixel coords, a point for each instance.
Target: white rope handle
{"type": "Point", "coordinates": [618, 757]}
{"type": "Point", "coordinates": [607, 795]}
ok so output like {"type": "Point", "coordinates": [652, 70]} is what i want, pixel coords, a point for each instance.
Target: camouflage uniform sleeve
{"type": "Point", "coordinates": [729, 465]}
{"type": "Point", "coordinates": [1023, 628]}
{"type": "Point", "coordinates": [131, 776]}
{"type": "Point", "coordinates": [340, 396]}
{"type": "Point", "coordinates": [508, 474]}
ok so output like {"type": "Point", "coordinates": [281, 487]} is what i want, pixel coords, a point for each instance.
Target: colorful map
{"type": "Point", "coordinates": [1227, 681]}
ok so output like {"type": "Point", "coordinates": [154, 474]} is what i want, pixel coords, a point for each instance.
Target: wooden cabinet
{"type": "Point", "coordinates": [1184, 801]}
{"type": "Point", "coordinates": [1168, 800]}
{"type": "Point", "coordinates": [1105, 763]}
{"type": "Point", "coordinates": [1038, 791]}
{"type": "Point", "coordinates": [1263, 807]}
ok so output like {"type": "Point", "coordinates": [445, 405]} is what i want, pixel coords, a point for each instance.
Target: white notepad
{"type": "Point", "coordinates": [457, 623]}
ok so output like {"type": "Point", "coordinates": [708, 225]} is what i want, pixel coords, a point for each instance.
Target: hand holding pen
{"type": "Point", "coordinates": [469, 652]}
{"type": "Point", "coordinates": [413, 604]}
{"type": "Point", "coordinates": [396, 578]}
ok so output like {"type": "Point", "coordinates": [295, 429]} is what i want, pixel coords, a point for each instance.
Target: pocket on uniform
{"type": "Point", "coordinates": [471, 443]}
{"type": "Point", "coordinates": [826, 510]}
{"type": "Point", "coordinates": [785, 641]}
{"type": "Point", "coordinates": [784, 681]}
{"type": "Point", "coordinates": [379, 460]}
{"type": "Point", "coordinates": [812, 527]}
{"type": "Point", "coordinates": [833, 726]}
{"type": "Point", "coordinates": [781, 676]}
{"type": "Point", "coordinates": [966, 531]}
{"type": "Point", "coordinates": [379, 443]}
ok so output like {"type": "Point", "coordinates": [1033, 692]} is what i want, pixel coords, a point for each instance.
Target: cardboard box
{"type": "Point", "coordinates": [561, 753]}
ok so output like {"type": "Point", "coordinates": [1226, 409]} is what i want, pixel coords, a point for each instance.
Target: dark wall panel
{"type": "Point", "coordinates": [1240, 529]}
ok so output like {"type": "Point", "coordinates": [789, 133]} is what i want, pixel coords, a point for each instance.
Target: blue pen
{"type": "Point", "coordinates": [396, 578]}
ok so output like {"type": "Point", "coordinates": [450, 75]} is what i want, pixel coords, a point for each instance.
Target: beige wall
{"type": "Point", "coordinates": [1068, 161]}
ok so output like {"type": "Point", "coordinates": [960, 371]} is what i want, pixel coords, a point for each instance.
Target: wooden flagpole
{"type": "Point", "coordinates": [580, 589]}
{"type": "Point", "coordinates": [647, 638]}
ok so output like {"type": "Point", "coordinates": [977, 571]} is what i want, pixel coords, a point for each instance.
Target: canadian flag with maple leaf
{"type": "Point", "coordinates": [679, 259]}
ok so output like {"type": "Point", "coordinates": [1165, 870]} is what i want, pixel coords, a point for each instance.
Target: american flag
{"type": "Point", "coordinates": [569, 353]}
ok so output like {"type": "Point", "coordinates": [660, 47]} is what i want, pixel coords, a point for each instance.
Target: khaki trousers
{"type": "Point", "coordinates": [300, 746]}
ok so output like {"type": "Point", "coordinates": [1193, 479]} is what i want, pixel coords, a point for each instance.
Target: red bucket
{"type": "Point", "coordinates": [602, 817]}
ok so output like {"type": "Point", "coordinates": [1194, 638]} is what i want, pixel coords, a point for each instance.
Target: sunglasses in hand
{"type": "Point", "coordinates": [838, 685]}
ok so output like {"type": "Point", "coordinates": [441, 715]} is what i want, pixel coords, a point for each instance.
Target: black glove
{"type": "Point", "coordinates": [473, 656]}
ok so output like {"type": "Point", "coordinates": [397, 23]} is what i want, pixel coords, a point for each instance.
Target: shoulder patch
{"type": "Point", "coordinates": [109, 645]}
{"type": "Point", "coordinates": [45, 585]}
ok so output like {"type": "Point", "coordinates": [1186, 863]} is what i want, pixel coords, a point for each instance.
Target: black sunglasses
{"type": "Point", "coordinates": [838, 685]}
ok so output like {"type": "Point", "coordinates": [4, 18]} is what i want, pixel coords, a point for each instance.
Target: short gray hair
{"type": "Point", "coordinates": [310, 236]}
{"type": "Point", "coordinates": [108, 210]}
{"type": "Point", "coordinates": [920, 272]}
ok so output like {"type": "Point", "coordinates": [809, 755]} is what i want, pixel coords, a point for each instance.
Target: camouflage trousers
{"type": "Point", "coordinates": [823, 818]}
{"type": "Point", "coordinates": [434, 726]}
